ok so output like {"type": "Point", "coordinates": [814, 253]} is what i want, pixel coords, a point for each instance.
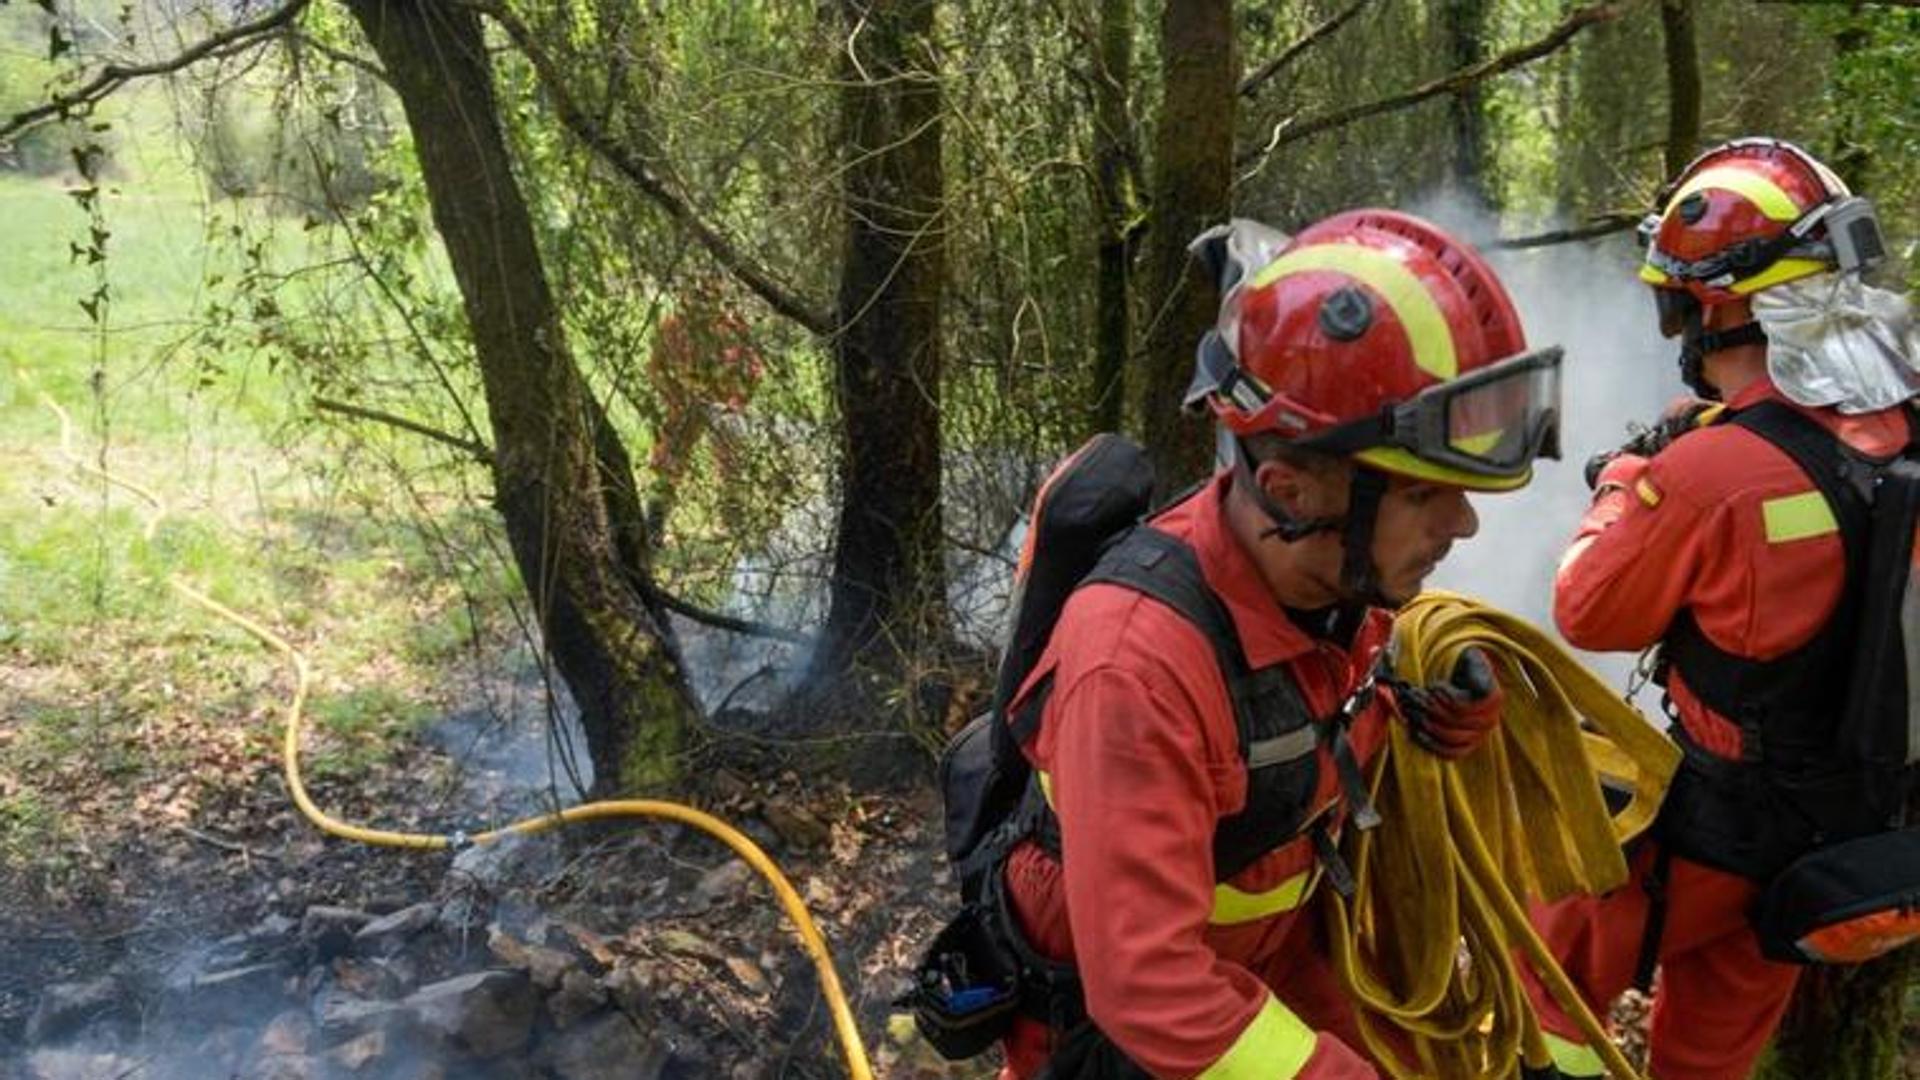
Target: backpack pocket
{"type": "Point", "coordinates": [1844, 904]}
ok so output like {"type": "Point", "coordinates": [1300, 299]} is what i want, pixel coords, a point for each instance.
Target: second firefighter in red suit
{"type": "Point", "coordinates": [1721, 546]}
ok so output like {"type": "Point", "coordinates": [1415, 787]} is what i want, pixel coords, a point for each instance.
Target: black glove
{"type": "Point", "coordinates": [1646, 441]}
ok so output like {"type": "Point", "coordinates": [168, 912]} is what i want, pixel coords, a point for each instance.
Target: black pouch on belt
{"type": "Point", "coordinates": [1845, 903]}
{"type": "Point", "coordinates": [966, 990]}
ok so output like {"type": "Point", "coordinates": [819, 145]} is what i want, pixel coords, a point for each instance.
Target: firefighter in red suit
{"type": "Point", "coordinates": [1716, 543]}
{"type": "Point", "coordinates": [1369, 374]}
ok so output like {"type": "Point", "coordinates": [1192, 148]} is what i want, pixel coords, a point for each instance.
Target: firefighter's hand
{"type": "Point", "coordinates": [1685, 410]}
{"type": "Point", "coordinates": [1453, 718]}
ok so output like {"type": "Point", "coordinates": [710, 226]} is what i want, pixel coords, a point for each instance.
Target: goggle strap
{"type": "Point", "coordinates": [1349, 438]}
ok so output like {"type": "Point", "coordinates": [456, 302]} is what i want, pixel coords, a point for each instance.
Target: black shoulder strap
{"type": "Point", "coordinates": [1151, 562]}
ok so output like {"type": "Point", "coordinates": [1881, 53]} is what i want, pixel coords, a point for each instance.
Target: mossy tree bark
{"type": "Point", "coordinates": [1192, 189]}
{"type": "Point", "coordinates": [1115, 164]}
{"type": "Point", "coordinates": [1845, 1022]}
{"type": "Point", "coordinates": [1683, 84]}
{"type": "Point", "coordinates": [888, 584]}
{"type": "Point", "coordinates": [1464, 29]}
{"type": "Point", "coordinates": [563, 483]}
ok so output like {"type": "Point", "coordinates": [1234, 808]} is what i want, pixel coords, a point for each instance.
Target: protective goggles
{"type": "Point", "coordinates": [1490, 423]}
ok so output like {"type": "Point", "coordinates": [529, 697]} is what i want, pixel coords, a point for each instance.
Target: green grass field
{"type": "Point", "coordinates": [114, 684]}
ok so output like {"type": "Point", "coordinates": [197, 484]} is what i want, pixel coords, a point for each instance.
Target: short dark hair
{"type": "Point", "coordinates": [1265, 446]}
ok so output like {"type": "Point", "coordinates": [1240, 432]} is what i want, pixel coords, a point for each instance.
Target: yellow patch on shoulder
{"type": "Point", "coordinates": [1649, 494]}
{"type": "Point", "coordinates": [1797, 517]}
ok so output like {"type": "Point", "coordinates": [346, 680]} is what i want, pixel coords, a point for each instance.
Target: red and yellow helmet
{"type": "Point", "coordinates": [1749, 215]}
{"type": "Point", "coordinates": [1376, 334]}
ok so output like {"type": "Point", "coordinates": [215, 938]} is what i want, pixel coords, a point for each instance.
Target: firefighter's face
{"type": "Point", "coordinates": [1416, 526]}
{"type": "Point", "coordinates": [1418, 523]}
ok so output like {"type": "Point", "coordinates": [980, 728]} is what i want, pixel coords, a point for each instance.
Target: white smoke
{"type": "Point", "coordinates": [1585, 298]}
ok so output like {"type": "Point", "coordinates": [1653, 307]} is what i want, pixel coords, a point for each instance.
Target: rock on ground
{"type": "Point", "coordinates": [67, 1007]}
{"type": "Point", "coordinates": [485, 1014]}
{"type": "Point", "coordinates": [608, 1047]}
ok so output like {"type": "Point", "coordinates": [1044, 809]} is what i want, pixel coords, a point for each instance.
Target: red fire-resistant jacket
{"type": "Point", "coordinates": [1138, 750]}
{"type": "Point", "coordinates": [1725, 524]}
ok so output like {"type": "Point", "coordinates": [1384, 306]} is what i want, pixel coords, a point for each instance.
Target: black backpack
{"type": "Point", "coordinates": [1087, 527]}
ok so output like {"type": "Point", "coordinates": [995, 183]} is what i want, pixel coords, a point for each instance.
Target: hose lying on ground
{"type": "Point", "coordinates": [851, 1047]}
{"type": "Point", "coordinates": [1430, 944]}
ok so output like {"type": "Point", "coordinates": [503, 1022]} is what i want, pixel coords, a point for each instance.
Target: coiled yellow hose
{"type": "Point", "coordinates": [1430, 944]}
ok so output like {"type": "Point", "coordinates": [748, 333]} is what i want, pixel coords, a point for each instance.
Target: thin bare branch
{"type": "Point", "coordinates": [653, 592]}
{"type": "Point", "coordinates": [779, 296]}
{"type": "Point", "coordinates": [713, 618]}
{"type": "Point", "coordinates": [478, 451]}
{"type": "Point", "coordinates": [1252, 83]}
{"type": "Point", "coordinates": [114, 76]}
{"type": "Point", "coordinates": [1294, 129]}
{"type": "Point", "coordinates": [352, 60]}
{"type": "Point", "coordinates": [1593, 229]}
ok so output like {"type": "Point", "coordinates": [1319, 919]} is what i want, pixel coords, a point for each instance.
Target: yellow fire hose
{"type": "Point", "coordinates": [1427, 945]}
{"type": "Point", "coordinates": [844, 1028]}
{"type": "Point", "coordinates": [73, 458]}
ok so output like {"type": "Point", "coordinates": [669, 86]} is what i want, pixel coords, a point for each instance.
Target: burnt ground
{"type": "Point", "coordinates": [716, 977]}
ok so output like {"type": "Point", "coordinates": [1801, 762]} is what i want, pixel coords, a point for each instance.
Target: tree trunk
{"type": "Point", "coordinates": [1192, 189]}
{"type": "Point", "coordinates": [1683, 84]}
{"type": "Point", "coordinates": [1844, 1023]}
{"type": "Point", "coordinates": [1464, 29]}
{"type": "Point", "coordinates": [888, 586]}
{"type": "Point", "coordinates": [1113, 162]}
{"type": "Point", "coordinates": [1853, 158]}
{"type": "Point", "coordinates": [562, 481]}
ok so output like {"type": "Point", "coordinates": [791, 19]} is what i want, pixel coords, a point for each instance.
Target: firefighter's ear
{"type": "Point", "coordinates": [1304, 492]}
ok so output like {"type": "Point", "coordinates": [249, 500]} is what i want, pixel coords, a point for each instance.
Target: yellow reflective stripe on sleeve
{"type": "Point", "coordinates": [1647, 492]}
{"type": "Point", "coordinates": [1772, 200]}
{"type": "Point", "coordinates": [1231, 906]}
{"type": "Point", "coordinates": [1797, 517]}
{"type": "Point", "coordinates": [1416, 308]}
{"type": "Point", "coordinates": [1653, 275]}
{"type": "Point", "coordinates": [1576, 1061]}
{"type": "Point", "coordinates": [1275, 1046]}
{"type": "Point", "coordinates": [1046, 786]}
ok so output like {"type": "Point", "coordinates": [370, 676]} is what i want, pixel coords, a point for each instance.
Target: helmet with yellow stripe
{"type": "Point", "coordinates": [1749, 215]}
{"type": "Point", "coordinates": [1376, 335]}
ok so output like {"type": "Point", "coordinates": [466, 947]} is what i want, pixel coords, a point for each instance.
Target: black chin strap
{"type": "Point", "coordinates": [1697, 343]}
{"type": "Point", "coordinates": [1359, 579]}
